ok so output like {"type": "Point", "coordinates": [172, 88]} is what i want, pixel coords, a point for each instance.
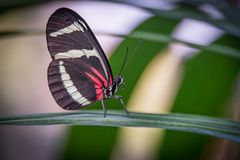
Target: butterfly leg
{"type": "Point", "coordinates": [121, 100]}
{"type": "Point", "coordinates": [123, 85]}
{"type": "Point", "coordinates": [104, 107]}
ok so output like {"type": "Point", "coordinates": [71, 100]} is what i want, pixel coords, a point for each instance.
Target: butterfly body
{"type": "Point", "coordinates": [79, 73]}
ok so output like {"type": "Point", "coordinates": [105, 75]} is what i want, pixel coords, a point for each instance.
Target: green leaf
{"type": "Point", "coordinates": [149, 36]}
{"type": "Point", "coordinates": [218, 127]}
{"type": "Point", "coordinates": [158, 37]}
{"type": "Point", "coordinates": [190, 11]}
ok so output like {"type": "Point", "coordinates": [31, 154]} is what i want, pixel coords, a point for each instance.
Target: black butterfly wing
{"type": "Point", "coordinates": [74, 84]}
{"type": "Point", "coordinates": [68, 32]}
{"type": "Point", "coordinates": [79, 69]}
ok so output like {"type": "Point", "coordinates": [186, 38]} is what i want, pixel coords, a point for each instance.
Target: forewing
{"type": "Point", "coordinates": [69, 36]}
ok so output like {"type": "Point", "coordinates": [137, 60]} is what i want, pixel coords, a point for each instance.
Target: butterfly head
{"type": "Point", "coordinates": [112, 88]}
{"type": "Point", "coordinates": [118, 81]}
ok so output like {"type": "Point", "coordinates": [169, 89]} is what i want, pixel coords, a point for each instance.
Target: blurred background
{"type": "Point", "coordinates": [191, 67]}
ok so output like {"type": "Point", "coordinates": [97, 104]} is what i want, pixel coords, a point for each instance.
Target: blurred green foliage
{"type": "Point", "coordinates": [206, 89]}
{"type": "Point", "coordinates": [135, 67]}
{"type": "Point", "coordinates": [208, 82]}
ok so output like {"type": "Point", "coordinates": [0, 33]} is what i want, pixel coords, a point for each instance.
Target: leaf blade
{"type": "Point", "coordinates": [218, 127]}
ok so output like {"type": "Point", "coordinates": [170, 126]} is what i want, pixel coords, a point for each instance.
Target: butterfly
{"type": "Point", "coordinates": [79, 73]}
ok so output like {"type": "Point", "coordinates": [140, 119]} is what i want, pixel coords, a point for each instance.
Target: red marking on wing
{"type": "Point", "coordinates": [100, 96]}
{"type": "Point", "coordinates": [100, 76]}
{"type": "Point", "coordinates": [99, 93]}
{"type": "Point", "coordinates": [98, 86]}
{"type": "Point", "coordinates": [95, 80]}
{"type": "Point", "coordinates": [98, 90]}
{"type": "Point", "coordinates": [110, 79]}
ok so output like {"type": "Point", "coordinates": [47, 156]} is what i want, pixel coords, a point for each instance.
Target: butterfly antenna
{"type": "Point", "coordinates": [124, 62]}
{"type": "Point", "coordinates": [126, 55]}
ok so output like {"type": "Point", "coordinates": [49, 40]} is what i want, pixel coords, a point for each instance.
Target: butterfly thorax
{"type": "Point", "coordinates": [111, 89]}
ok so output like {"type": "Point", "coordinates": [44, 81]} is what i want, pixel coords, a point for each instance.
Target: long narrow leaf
{"type": "Point", "coordinates": [185, 11]}
{"type": "Point", "coordinates": [218, 127]}
{"type": "Point", "coordinates": [150, 36]}
{"type": "Point", "coordinates": [157, 37]}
